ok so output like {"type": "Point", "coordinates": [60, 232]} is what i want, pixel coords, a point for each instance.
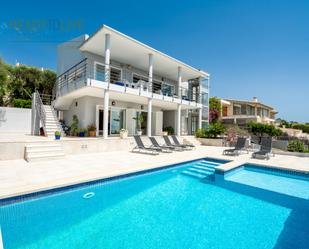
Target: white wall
{"type": "Point", "coordinates": [15, 120]}
{"type": "Point", "coordinates": [86, 111]}
{"type": "Point", "coordinates": [68, 53]}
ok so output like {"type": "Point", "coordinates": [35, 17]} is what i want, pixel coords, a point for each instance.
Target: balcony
{"type": "Point", "coordinates": [86, 75]}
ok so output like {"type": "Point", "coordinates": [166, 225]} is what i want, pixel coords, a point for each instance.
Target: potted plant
{"type": "Point", "coordinates": [82, 132]}
{"type": "Point", "coordinates": [57, 135]}
{"type": "Point", "coordinates": [123, 133]}
{"type": "Point", "coordinates": [139, 120]}
{"type": "Point", "coordinates": [92, 130]}
{"type": "Point", "coordinates": [74, 126]}
{"type": "Point", "coordinates": [169, 130]}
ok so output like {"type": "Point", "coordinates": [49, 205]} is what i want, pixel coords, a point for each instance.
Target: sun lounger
{"type": "Point", "coordinates": [169, 143]}
{"type": "Point", "coordinates": [164, 148]}
{"type": "Point", "coordinates": [265, 150]}
{"type": "Point", "coordinates": [176, 141]}
{"type": "Point", "coordinates": [240, 145]}
{"type": "Point", "coordinates": [140, 147]}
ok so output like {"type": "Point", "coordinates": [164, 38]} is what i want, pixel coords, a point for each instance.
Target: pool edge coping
{"type": "Point", "coordinates": [29, 194]}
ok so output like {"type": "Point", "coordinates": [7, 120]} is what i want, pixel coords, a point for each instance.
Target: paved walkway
{"type": "Point", "coordinates": [19, 177]}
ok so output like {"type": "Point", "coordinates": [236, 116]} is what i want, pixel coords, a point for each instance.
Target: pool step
{"type": "Point", "coordinates": [203, 170]}
{"type": "Point", "coordinates": [43, 151]}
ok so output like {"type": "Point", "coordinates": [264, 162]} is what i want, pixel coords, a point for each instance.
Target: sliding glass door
{"type": "Point", "coordinates": [117, 120]}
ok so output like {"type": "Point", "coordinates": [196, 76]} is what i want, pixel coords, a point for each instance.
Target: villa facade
{"type": "Point", "coordinates": [110, 80]}
{"type": "Point", "coordinates": [243, 111]}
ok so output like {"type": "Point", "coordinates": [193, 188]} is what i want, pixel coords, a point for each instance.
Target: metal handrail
{"type": "Point", "coordinates": [40, 110]}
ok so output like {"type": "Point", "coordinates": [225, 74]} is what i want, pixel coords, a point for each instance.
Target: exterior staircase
{"type": "Point", "coordinates": [43, 151]}
{"type": "Point", "coordinates": [204, 170]}
{"type": "Point", "coordinates": [51, 121]}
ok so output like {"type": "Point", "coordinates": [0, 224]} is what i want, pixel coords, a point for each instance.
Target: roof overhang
{"type": "Point", "coordinates": [129, 51]}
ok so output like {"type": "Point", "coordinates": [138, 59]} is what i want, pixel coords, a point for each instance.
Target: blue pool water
{"type": "Point", "coordinates": [180, 207]}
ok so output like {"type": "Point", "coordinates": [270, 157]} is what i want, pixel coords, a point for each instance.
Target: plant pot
{"type": "Point", "coordinates": [81, 134]}
{"type": "Point", "coordinates": [92, 133]}
{"type": "Point", "coordinates": [164, 133]}
{"type": "Point", "coordinates": [123, 134]}
{"type": "Point", "coordinates": [139, 133]}
{"type": "Point", "coordinates": [57, 137]}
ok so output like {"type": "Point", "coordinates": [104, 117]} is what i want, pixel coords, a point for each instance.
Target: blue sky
{"type": "Point", "coordinates": [250, 48]}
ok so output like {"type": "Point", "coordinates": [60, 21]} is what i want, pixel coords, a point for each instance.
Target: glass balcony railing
{"type": "Point", "coordinates": [77, 76]}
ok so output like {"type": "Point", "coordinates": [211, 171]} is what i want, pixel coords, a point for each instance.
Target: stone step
{"type": "Point", "coordinates": [45, 157]}
{"type": "Point", "coordinates": [43, 145]}
{"type": "Point", "coordinates": [43, 151]}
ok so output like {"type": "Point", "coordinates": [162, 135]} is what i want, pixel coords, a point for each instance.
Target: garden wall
{"type": "Point", "coordinates": [15, 120]}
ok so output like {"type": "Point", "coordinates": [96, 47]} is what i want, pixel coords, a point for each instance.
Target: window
{"type": "Point", "coordinates": [115, 75]}
{"type": "Point", "coordinates": [136, 78]}
{"type": "Point", "coordinates": [100, 72]}
{"type": "Point", "coordinates": [236, 110]}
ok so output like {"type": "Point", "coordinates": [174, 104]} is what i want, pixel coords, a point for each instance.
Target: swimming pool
{"type": "Point", "coordinates": [178, 207]}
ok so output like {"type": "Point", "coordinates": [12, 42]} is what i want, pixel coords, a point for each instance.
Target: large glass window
{"type": "Point", "coordinates": [205, 84]}
{"type": "Point", "coordinates": [117, 117]}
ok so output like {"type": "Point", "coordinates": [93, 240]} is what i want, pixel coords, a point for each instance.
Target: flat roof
{"type": "Point", "coordinates": [129, 51]}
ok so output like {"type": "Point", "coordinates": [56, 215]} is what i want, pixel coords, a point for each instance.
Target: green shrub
{"type": "Point", "coordinates": [22, 103]}
{"type": "Point", "coordinates": [200, 133]}
{"type": "Point", "coordinates": [261, 130]}
{"type": "Point", "coordinates": [169, 130]}
{"type": "Point", "coordinates": [74, 126]}
{"type": "Point", "coordinates": [303, 127]}
{"type": "Point", "coordinates": [215, 130]}
{"type": "Point", "coordinates": [296, 146]}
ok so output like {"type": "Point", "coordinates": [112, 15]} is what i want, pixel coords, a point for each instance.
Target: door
{"type": "Point", "coordinates": [117, 117]}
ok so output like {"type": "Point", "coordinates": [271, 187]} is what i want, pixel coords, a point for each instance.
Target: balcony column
{"type": "Point", "coordinates": [149, 113]}
{"type": "Point", "coordinates": [149, 117]}
{"type": "Point", "coordinates": [107, 57]}
{"type": "Point", "coordinates": [150, 71]}
{"type": "Point", "coordinates": [179, 82]}
{"type": "Point", "coordinates": [200, 113]}
{"type": "Point", "coordinates": [105, 114]}
{"type": "Point", "coordinates": [107, 79]}
{"type": "Point", "coordinates": [178, 132]}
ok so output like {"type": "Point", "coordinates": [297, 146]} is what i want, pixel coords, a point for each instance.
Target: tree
{"type": "Point", "coordinates": [214, 109]}
{"type": "Point", "coordinates": [4, 81]}
{"type": "Point", "coordinates": [19, 82]}
{"type": "Point", "coordinates": [261, 130]}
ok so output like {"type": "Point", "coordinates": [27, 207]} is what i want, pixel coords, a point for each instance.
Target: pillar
{"type": "Point", "coordinates": [107, 79]}
{"type": "Point", "coordinates": [105, 115]}
{"type": "Point", "coordinates": [200, 113]}
{"type": "Point", "coordinates": [107, 57]}
{"type": "Point", "coordinates": [35, 118]}
{"type": "Point", "coordinates": [178, 132]}
{"type": "Point", "coordinates": [150, 72]}
{"type": "Point", "coordinates": [149, 117]}
{"type": "Point", "coordinates": [179, 82]}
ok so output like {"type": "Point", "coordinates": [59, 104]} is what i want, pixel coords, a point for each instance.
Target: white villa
{"type": "Point", "coordinates": [108, 79]}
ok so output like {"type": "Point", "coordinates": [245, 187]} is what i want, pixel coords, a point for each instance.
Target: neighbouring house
{"type": "Point", "coordinates": [110, 79]}
{"type": "Point", "coordinates": [243, 111]}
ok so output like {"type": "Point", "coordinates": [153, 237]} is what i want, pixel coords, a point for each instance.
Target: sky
{"type": "Point", "coordinates": [250, 47]}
